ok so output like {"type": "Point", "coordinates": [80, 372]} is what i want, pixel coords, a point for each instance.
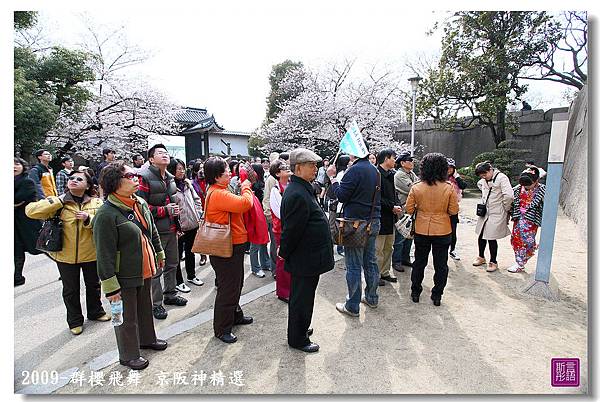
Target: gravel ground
{"type": "Point", "coordinates": [487, 336]}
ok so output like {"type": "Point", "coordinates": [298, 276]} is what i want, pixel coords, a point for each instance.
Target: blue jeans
{"type": "Point", "coordinates": [401, 249]}
{"type": "Point", "coordinates": [359, 259]}
{"type": "Point", "coordinates": [256, 251]}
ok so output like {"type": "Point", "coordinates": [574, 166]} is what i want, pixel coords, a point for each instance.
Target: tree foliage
{"type": "Point", "coordinates": [327, 102]}
{"type": "Point", "coordinates": [483, 54]}
{"type": "Point", "coordinates": [24, 19]}
{"type": "Point", "coordinates": [280, 95]}
{"type": "Point", "coordinates": [49, 83]}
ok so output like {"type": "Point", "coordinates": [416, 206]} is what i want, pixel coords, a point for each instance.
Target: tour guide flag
{"type": "Point", "coordinates": [353, 143]}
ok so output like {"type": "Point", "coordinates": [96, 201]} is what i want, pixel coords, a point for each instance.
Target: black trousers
{"type": "Point", "coordinates": [230, 278]}
{"type": "Point", "coordinates": [69, 274]}
{"type": "Point", "coordinates": [300, 309]}
{"type": "Point", "coordinates": [453, 223]}
{"type": "Point", "coordinates": [138, 324]}
{"type": "Point", "coordinates": [185, 243]}
{"type": "Point", "coordinates": [493, 248]}
{"type": "Point", "coordinates": [438, 245]}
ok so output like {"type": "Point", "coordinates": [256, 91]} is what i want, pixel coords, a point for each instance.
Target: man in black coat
{"type": "Point", "coordinates": [390, 208]}
{"type": "Point", "coordinates": [306, 246]}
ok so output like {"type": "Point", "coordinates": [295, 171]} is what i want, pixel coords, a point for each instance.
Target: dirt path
{"type": "Point", "coordinates": [487, 337]}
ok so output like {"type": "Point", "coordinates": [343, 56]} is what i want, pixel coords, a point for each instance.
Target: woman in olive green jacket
{"type": "Point", "coordinates": [129, 253]}
{"type": "Point", "coordinates": [76, 208]}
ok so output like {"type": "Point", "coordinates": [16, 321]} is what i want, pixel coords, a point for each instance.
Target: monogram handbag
{"type": "Point", "coordinates": [406, 225]}
{"type": "Point", "coordinates": [213, 238]}
{"type": "Point", "coordinates": [50, 238]}
{"type": "Point", "coordinates": [352, 232]}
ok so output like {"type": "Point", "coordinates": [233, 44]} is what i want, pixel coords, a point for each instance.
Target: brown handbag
{"type": "Point", "coordinates": [352, 232]}
{"type": "Point", "coordinates": [213, 238]}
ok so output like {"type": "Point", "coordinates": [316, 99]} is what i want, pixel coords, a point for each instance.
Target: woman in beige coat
{"type": "Point", "coordinates": [497, 194]}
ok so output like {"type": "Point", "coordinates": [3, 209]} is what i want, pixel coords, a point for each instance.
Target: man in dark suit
{"type": "Point", "coordinates": [306, 246]}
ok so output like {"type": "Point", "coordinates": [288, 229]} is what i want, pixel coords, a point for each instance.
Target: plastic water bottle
{"type": "Point", "coordinates": [116, 310]}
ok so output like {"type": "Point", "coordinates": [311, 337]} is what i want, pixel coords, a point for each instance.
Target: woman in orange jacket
{"type": "Point", "coordinates": [221, 205]}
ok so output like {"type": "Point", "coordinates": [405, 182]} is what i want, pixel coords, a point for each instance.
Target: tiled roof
{"type": "Point", "coordinates": [236, 133]}
{"type": "Point", "coordinates": [193, 116]}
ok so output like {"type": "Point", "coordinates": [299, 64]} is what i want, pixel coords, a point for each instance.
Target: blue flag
{"type": "Point", "coordinates": [353, 142]}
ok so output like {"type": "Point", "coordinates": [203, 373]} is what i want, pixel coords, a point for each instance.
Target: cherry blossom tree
{"type": "Point", "coordinates": [123, 111]}
{"type": "Point", "coordinates": [326, 104]}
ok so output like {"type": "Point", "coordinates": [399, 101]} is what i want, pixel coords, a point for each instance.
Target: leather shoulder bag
{"type": "Point", "coordinates": [353, 232]}
{"type": "Point", "coordinates": [50, 238]}
{"type": "Point", "coordinates": [213, 238]}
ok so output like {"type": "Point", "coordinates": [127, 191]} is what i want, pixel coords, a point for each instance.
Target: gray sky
{"type": "Point", "coordinates": [219, 56]}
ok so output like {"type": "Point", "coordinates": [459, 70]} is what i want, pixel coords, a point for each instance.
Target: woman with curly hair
{"type": "Point", "coordinates": [434, 201]}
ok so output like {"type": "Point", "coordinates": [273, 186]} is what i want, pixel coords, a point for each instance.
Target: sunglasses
{"type": "Point", "coordinates": [130, 176]}
{"type": "Point", "coordinates": [77, 178]}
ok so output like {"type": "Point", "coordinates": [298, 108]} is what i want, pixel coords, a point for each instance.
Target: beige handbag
{"type": "Point", "coordinates": [213, 238]}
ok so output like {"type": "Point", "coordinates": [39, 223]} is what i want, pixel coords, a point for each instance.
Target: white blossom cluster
{"type": "Point", "coordinates": [326, 104]}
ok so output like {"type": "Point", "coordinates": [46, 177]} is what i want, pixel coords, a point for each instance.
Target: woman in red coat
{"type": "Point", "coordinates": [281, 171]}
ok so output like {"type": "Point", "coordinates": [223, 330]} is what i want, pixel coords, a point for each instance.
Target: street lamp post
{"type": "Point", "coordinates": [414, 83]}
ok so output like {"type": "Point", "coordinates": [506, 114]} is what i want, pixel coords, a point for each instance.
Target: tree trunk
{"type": "Point", "coordinates": [500, 129]}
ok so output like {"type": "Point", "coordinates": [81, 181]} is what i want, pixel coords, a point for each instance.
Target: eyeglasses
{"type": "Point", "coordinates": [76, 178]}
{"type": "Point", "coordinates": [130, 176]}
{"type": "Point", "coordinates": [160, 153]}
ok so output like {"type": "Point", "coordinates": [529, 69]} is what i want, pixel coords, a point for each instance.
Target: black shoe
{"type": "Point", "coordinates": [381, 282]}
{"type": "Point", "coordinates": [20, 281]}
{"type": "Point", "coordinates": [436, 302]}
{"type": "Point", "coordinates": [415, 299]}
{"type": "Point", "coordinates": [398, 267]}
{"type": "Point", "coordinates": [228, 338]}
{"type": "Point", "coordinates": [245, 321]}
{"type": "Point", "coordinates": [407, 263]}
{"type": "Point", "coordinates": [309, 332]}
{"type": "Point", "coordinates": [158, 345]}
{"type": "Point", "coordinates": [159, 312]}
{"type": "Point", "coordinates": [389, 279]}
{"type": "Point", "coordinates": [283, 299]}
{"type": "Point", "coordinates": [175, 301]}
{"type": "Point", "coordinates": [136, 364]}
{"type": "Point", "coordinates": [310, 348]}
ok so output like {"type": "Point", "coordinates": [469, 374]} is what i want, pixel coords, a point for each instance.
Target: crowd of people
{"type": "Point", "coordinates": [128, 227]}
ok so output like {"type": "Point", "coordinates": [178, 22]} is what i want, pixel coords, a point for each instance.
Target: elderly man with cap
{"type": "Point", "coordinates": [306, 246]}
{"type": "Point", "coordinates": [403, 181]}
{"type": "Point", "coordinates": [458, 184]}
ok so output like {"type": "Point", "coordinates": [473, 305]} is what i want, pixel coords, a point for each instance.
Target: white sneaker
{"type": "Point", "coordinates": [183, 288]}
{"type": "Point", "coordinates": [454, 256]}
{"type": "Point", "coordinates": [516, 268]}
{"type": "Point", "coordinates": [196, 281]}
{"type": "Point", "coordinates": [260, 273]}
{"type": "Point", "coordinates": [341, 307]}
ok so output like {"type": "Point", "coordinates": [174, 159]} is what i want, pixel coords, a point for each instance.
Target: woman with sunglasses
{"type": "Point", "coordinates": [76, 209]}
{"type": "Point", "coordinates": [129, 253]}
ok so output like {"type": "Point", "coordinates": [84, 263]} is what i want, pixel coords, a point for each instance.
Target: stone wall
{"type": "Point", "coordinates": [574, 185]}
{"type": "Point", "coordinates": [465, 144]}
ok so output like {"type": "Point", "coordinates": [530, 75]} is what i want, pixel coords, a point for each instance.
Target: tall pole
{"type": "Point", "coordinates": [412, 131]}
{"type": "Point", "coordinates": [556, 156]}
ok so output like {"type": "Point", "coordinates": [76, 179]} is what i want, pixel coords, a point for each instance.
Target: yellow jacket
{"type": "Point", "coordinates": [78, 245]}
